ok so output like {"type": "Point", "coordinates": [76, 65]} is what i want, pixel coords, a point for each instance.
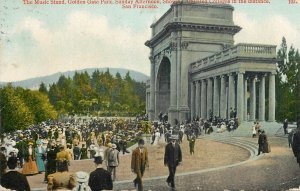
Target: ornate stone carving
{"type": "Point", "coordinates": [173, 46]}
{"type": "Point", "coordinates": [184, 45]}
{"type": "Point", "coordinates": [152, 59]}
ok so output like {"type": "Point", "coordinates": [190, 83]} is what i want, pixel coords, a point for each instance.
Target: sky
{"type": "Point", "coordinates": [39, 40]}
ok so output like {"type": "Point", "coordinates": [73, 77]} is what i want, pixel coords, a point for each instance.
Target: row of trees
{"type": "Point", "coordinates": [20, 108]}
{"type": "Point", "coordinates": [101, 93]}
{"type": "Point", "coordinates": [287, 82]}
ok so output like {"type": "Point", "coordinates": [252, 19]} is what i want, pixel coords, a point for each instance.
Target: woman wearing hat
{"type": "Point", "coordinates": [40, 156]}
{"type": "Point", "coordinates": [30, 167]}
{"type": "Point", "coordinates": [82, 179]}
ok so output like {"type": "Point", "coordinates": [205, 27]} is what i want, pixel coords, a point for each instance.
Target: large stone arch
{"type": "Point", "coordinates": [163, 84]}
{"type": "Point", "coordinates": [186, 33]}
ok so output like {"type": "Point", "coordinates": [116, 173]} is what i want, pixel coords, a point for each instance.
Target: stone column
{"type": "Point", "coordinates": [240, 97]}
{"type": "Point", "coordinates": [231, 93]}
{"type": "Point", "coordinates": [209, 96]}
{"type": "Point", "coordinates": [147, 101]}
{"type": "Point", "coordinates": [173, 111]}
{"type": "Point", "coordinates": [272, 97]}
{"type": "Point", "coordinates": [216, 109]}
{"type": "Point", "coordinates": [253, 100]}
{"type": "Point", "coordinates": [262, 107]}
{"type": "Point", "coordinates": [157, 107]}
{"type": "Point", "coordinates": [152, 90]}
{"type": "Point", "coordinates": [197, 108]}
{"type": "Point", "coordinates": [223, 101]}
{"type": "Point", "coordinates": [245, 100]}
{"type": "Point", "coordinates": [193, 101]}
{"type": "Point", "coordinates": [203, 99]}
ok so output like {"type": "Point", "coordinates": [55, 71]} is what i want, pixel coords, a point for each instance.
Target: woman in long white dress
{"type": "Point", "coordinates": [157, 136]}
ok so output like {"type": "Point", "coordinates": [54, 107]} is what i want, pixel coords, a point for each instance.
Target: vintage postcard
{"type": "Point", "coordinates": [150, 95]}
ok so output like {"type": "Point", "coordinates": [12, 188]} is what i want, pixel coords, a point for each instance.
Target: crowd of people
{"type": "Point", "coordinates": [83, 138]}
{"type": "Point", "coordinates": [49, 147]}
{"type": "Point", "coordinates": [41, 148]}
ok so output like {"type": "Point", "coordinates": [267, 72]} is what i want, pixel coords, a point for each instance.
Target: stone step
{"type": "Point", "coordinates": [250, 146]}
{"type": "Point", "coordinates": [245, 129]}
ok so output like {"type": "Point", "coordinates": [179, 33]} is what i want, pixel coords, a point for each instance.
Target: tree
{"type": "Point", "coordinates": [97, 92]}
{"type": "Point", "coordinates": [39, 105]}
{"type": "Point", "coordinates": [43, 88]}
{"type": "Point", "coordinates": [282, 58]}
{"type": "Point", "coordinates": [14, 112]}
{"type": "Point", "coordinates": [287, 86]}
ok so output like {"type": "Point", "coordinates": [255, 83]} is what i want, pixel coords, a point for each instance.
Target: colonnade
{"type": "Point", "coordinates": [217, 95]}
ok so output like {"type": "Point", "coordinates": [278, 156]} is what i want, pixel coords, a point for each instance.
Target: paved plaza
{"type": "Point", "coordinates": [221, 162]}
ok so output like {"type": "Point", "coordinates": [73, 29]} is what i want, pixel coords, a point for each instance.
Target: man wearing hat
{"type": "Point", "coordinates": [51, 160]}
{"type": "Point", "coordinates": [13, 179]}
{"type": "Point", "coordinates": [83, 152]}
{"type": "Point", "coordinates": [76, 151]}
{"type": "Point", "coordinates": [100, 179]}
{"type": "Point", "coordinates": [260, 142]}
{"type": "Point", "coordinates": [113, 160]}
{"type": "Point", "coordinates": [139, 162]}
{"type": "Point", "coordinates": [296, 141]}
{"type": "Point", "coordinates": [106, 154]}
{"type": "Point", "coordinates": [173, 157]}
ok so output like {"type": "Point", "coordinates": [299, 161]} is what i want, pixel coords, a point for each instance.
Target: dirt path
{"type": "Point", "coordinates": [208, 154]}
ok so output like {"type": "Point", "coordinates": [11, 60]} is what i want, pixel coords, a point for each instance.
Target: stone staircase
{"type": "Point", "coordinates": [245, 129]}
{"type": "Point", "coordinates": [251, 146]}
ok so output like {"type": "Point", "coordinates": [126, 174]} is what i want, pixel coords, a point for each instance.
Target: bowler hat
{"type": "Point", "coordinates": [98, 160]}
{"type": "Point", "coordinates": [141, 142]}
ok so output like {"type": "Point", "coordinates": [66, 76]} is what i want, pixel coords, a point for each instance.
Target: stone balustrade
{"type": "Point", "coordinates": [240, 50]}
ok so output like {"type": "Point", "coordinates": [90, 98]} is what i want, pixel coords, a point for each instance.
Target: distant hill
{"type": "Point", "coordinates": [34, 83]}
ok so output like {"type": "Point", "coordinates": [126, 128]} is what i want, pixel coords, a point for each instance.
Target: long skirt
{"type": "Point", "coordinates": [40, 163]}
{"type": "Point", "coordinates": [30, 167]}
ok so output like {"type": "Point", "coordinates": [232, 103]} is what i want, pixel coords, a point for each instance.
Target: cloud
{"type": "Point", "coordinates": [266, 30]}
{"type": "Point", "coordinates": [88, 40]}
{"type": "Point", "coordinates": [84, 41]}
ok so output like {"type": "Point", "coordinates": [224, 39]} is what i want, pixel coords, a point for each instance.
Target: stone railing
{"type": "Point", "coordinates": [239, 50]}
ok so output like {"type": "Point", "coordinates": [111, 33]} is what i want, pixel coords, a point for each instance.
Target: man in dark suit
{"type": "Point", "coordinates": [173, 157]}
{"type": "Point", "coordinates": [13, 179]}
{"type": "Point", "coordinates": [260, 142]}
{"type": "Point", "coordinates": [51, 161]}
{"type": "Point", "coordinates": [296, 142]}
{"type": "Point", "coordinates": [100, 179]}
{"type": "Point", "coordinates": [76, 152]}
{"type": "Point", "coordinates": [285, 126]}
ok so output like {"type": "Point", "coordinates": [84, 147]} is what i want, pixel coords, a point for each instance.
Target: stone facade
{"type": "Point", "coordinates": [197, 70]}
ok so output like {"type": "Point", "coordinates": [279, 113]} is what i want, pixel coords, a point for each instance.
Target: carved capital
{"type": "Point", "coordinates": [184, 45]}
{"type": "Point", "coordinates": [152, 59]}
{"type": "Point", "coordinates": [173, 46]}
